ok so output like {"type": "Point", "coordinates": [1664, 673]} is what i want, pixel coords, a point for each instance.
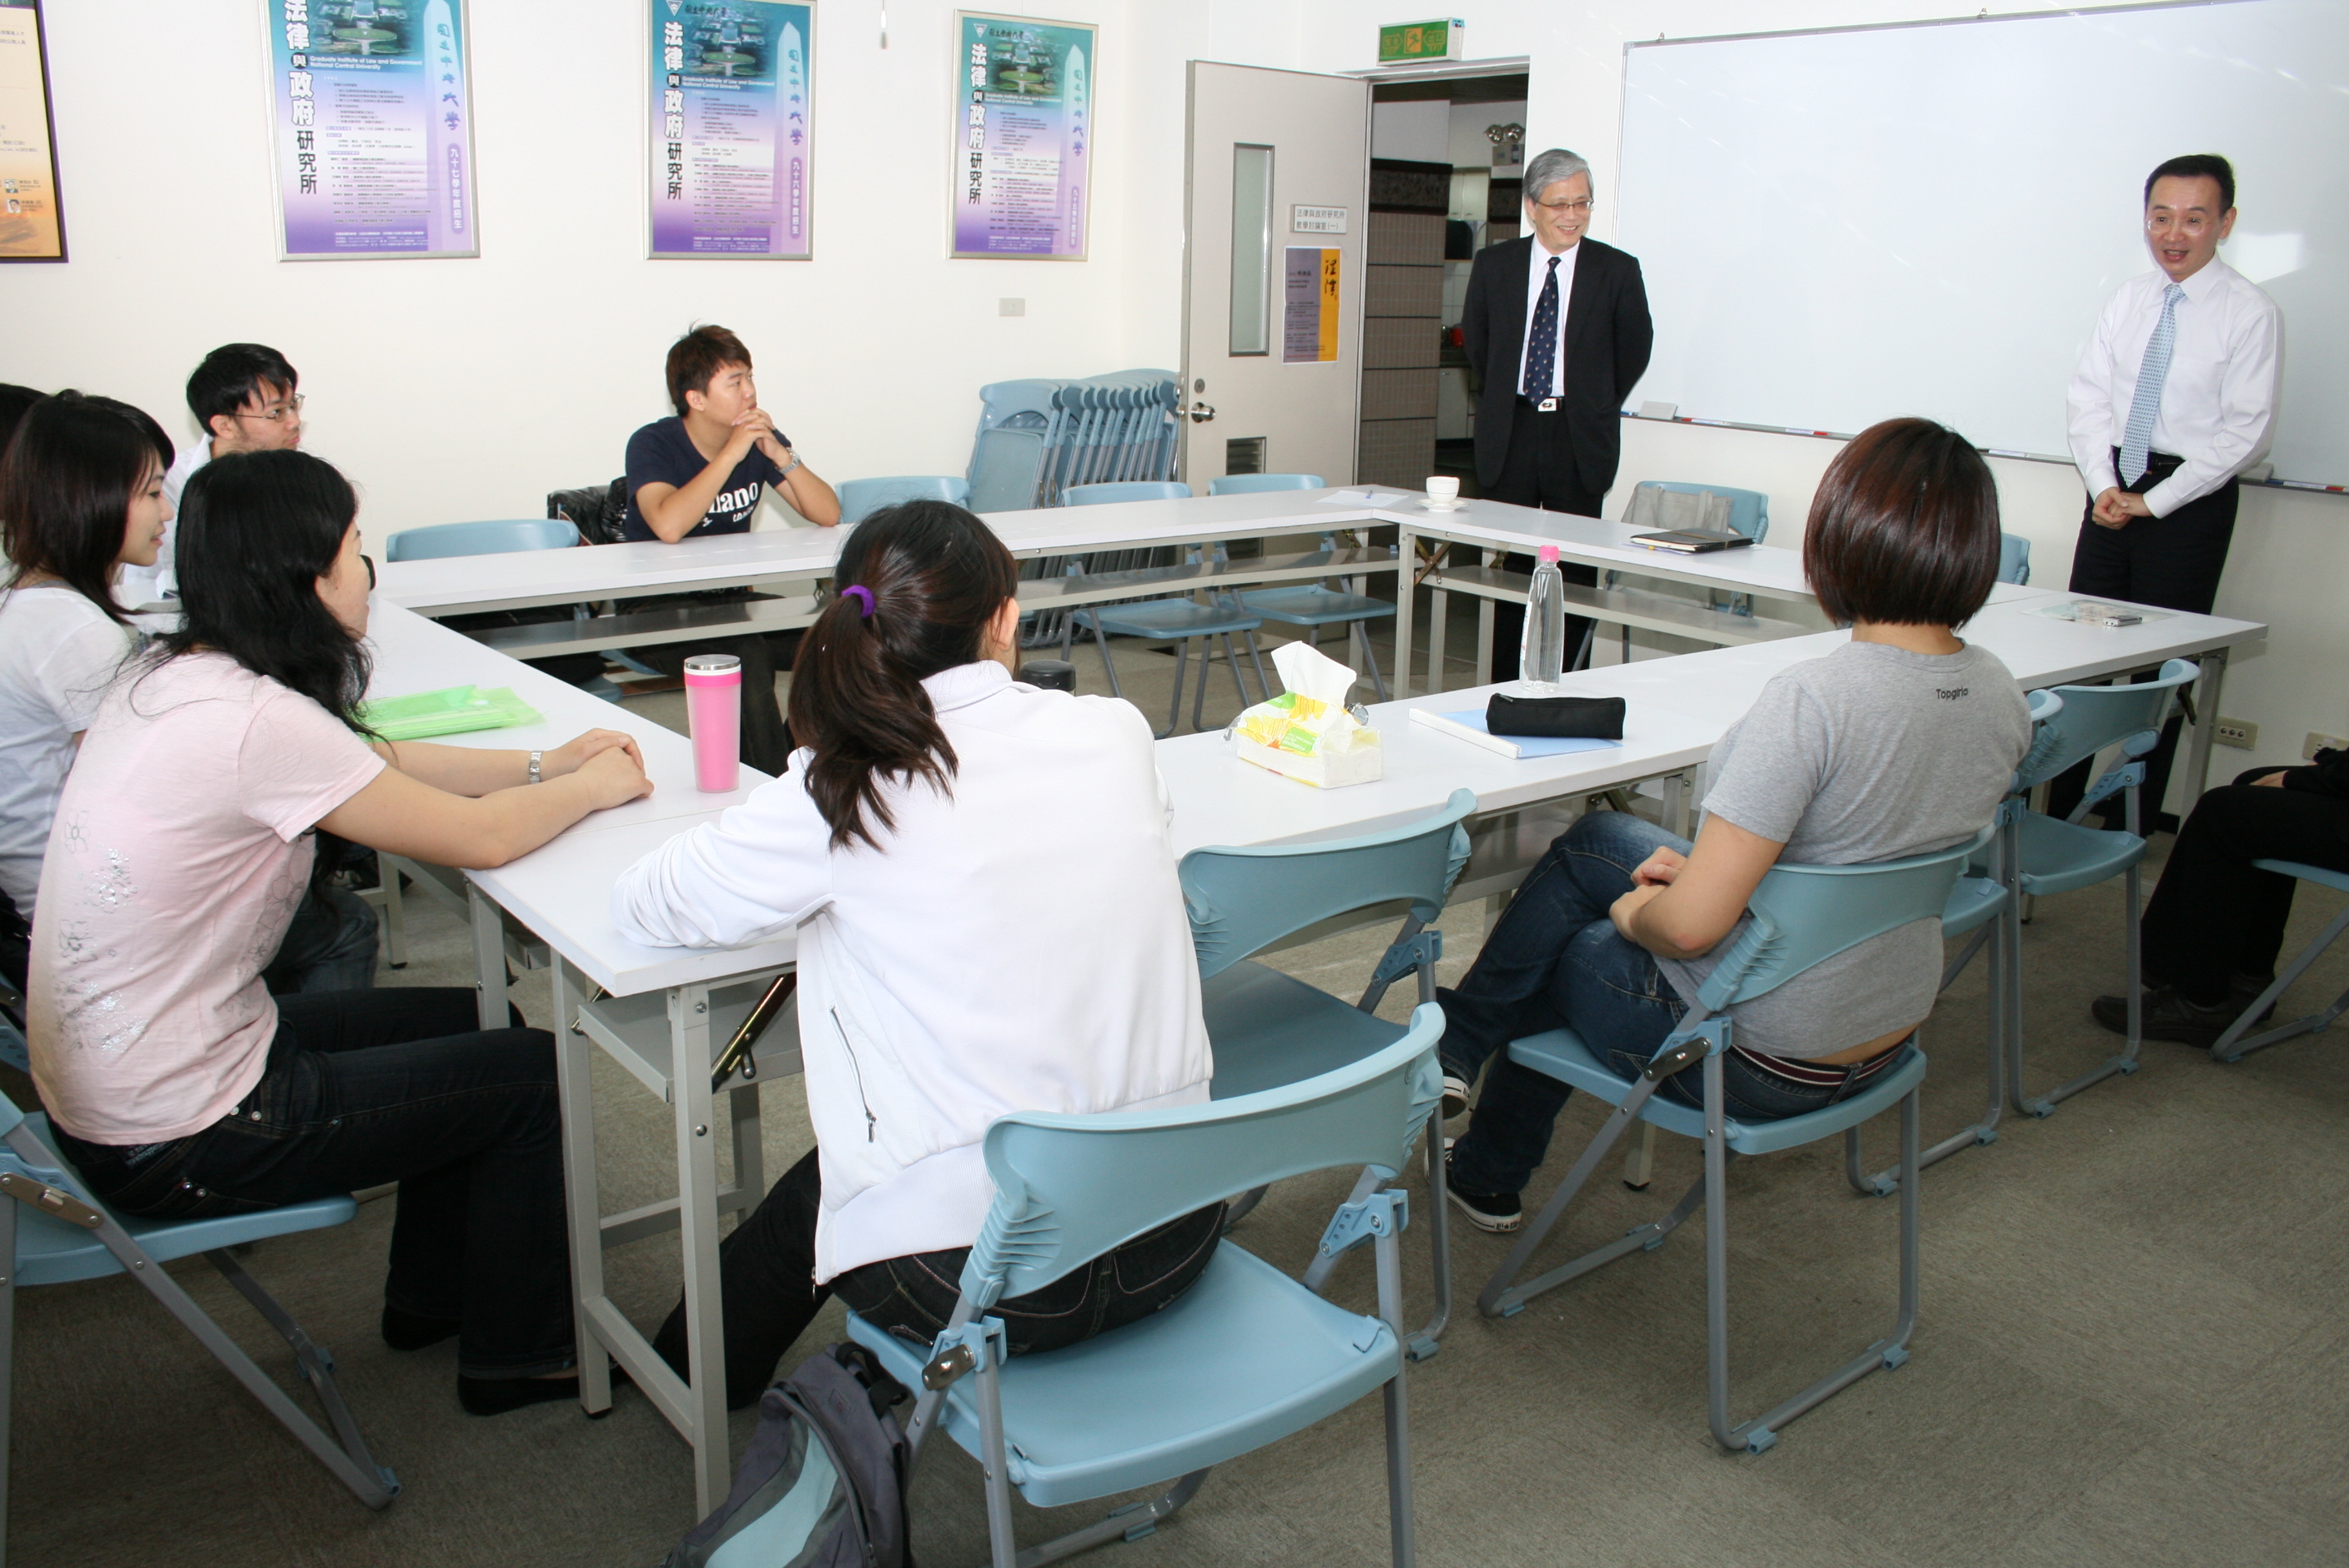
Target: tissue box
{"type": "Point", "coordinates": [1307, 732]}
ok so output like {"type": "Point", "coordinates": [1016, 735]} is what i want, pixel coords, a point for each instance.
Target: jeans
{"type": "Point", "coordinates": [1555, 959]}
{"type": "Point", "coordinates": [2212, 916]}
{"type": "Point", "coordinates": [766, 1284]}
{"type": "Point", "coordinates": [396, 1085]}
{"type": "Point", "coordinates": [329, 946]}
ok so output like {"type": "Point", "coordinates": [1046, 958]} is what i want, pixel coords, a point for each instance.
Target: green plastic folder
{"type": "Point", "coordinates": [454, 711]}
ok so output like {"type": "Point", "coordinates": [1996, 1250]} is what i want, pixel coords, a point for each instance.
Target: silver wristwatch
{"type": "Point", "coordinates": [535, 758]}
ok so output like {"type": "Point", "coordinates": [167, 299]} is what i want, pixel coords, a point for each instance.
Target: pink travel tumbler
{"type": "Point", "coordinates": [713, 712]}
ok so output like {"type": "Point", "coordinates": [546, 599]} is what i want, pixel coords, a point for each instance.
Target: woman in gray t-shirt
{"type": "Point", "coordinates": [1900, 742]}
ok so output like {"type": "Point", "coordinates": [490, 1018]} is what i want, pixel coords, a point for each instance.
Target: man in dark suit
{"type": "Point", "coordinates": [1557, 328]}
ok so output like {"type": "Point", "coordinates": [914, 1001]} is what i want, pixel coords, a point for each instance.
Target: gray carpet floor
{"type": "Point", "coordinates": [2132, 1348]}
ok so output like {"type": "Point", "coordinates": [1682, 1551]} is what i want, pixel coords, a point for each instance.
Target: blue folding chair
{"type": "Point", "coordinates": [1256, 484]}
{"type": "Point", "coordinates": [2014, 559]}
{"type": "Point", "coordinates": [860, 499]}
{"type": "Point", "coordinates": [56, 1233]}
{"type": "Point", "coordinates": [1125, 490]}
{"type": "Point", "coordinates": [1244, 1357]}
{"type": "Point", "coordinates": [504, 537]}
{"type": "Point", "coordinates": [1269, 1029]}
{"type": "Point", "coordinates": [2232, 1046]}
{"type": "Point", "coordinates": [1180, 619]}
{"type": "Point", "coordinates": [1802, 916]}
{"type": "Point", "coordinates": [2042, 855]}
{"type": "Point", "coordinates": [1974, 906]}
{"type": "Point", "coordinates": [1749, 510]}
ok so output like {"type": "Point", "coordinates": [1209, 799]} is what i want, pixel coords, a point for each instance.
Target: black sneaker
{"type": "Point", "coordinates": [2169, 1016]}
{"type": "Point", "coordinates": [1498, 1212]}
{"type": "Point", "coordinates": [2246, 989]}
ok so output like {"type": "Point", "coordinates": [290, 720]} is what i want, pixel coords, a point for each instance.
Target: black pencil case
{"type": "Point", "coordinates": [1556, 718]}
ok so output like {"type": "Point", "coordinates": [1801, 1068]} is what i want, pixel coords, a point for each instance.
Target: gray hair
{"type": "Point", "coordinates": [1548, 168]}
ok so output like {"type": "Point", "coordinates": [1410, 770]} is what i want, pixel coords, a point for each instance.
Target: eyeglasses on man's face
{"type": "Point", "coordinates": [277, 413]}
{"type": "Point", "coordinates": [1577, 208]}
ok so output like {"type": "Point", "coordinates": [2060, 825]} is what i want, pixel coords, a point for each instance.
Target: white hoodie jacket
{"type": "Point", "coordinates": [1020, 945]}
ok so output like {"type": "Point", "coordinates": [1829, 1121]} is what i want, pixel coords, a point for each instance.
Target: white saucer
{"type": "Point", "coordinates": [1430, 505]}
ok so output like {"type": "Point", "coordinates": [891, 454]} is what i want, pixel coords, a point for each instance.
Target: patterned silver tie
{"type": "Point", "coordinates": [2137, 438]}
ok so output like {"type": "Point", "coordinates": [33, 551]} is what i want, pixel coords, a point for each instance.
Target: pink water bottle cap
{"type": "Point", "coordinates": [1547, 554]}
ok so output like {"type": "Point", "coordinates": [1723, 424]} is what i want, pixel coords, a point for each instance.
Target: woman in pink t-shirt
{"type": "Point", "coordinates": [182, 842]}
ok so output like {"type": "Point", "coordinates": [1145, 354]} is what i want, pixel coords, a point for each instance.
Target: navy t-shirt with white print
{"type": "Point", "coordinates": [663, 454]}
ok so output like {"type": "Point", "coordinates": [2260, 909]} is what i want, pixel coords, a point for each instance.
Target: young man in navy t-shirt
{"type": "Point", "coordinates": [703, 472]}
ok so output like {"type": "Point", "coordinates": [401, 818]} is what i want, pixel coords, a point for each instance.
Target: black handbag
{"type": "Point", "coordinates": [1556, 718]}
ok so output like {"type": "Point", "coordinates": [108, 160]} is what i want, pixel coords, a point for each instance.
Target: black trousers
{"type": "Point", "coordinates": [396, 1085]}
{"type": "Point", "coordinates": [2171, 562]}
{"type": "Point", "coordinates": [2213, 916]}
{"type": "Point", "coordinates": [767, 1282]}
{"type": "Point", "coordinates": [1539, 471]}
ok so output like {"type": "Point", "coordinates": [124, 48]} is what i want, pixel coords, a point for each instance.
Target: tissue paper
{"type": "Point", "coordinates": [1307, 732]}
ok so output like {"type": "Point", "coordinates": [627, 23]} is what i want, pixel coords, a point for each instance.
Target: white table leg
{"type": "Point", "coordinates": [2208, 691]}
{"type": "Point", "coordinates": [1485, 625]}
{"type": "Point", "coordinates": [581, 1195]}
{"type": "Point", "coordinates": [1406, 602]}
{"type": "Point", "coordinates": [489, 959]}
{"type": "Point", "coordinates": [697, 1213]}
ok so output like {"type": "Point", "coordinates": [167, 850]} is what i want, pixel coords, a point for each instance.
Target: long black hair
{"type": "Point", "coordinates": [257, 530]}
{"type": "Point", "coordinates": [937, 576]}
{"type": "Point", "coordinates": [67, 482]}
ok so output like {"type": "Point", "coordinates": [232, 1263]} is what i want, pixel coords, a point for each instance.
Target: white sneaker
{"type": "Point", "coordinates": [1455, 1095]}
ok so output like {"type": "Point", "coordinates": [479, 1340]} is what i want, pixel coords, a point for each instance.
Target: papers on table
{"type": "Point", "coordinates": [2098, 613]}
{"type": "Point", "coordinates": [1469, 726]}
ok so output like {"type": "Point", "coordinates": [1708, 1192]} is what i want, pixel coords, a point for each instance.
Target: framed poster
{"type": "Point", "coordinates": [372, 108]}
{"type": "Point", "coordinates": [733, 138]}
{"type": "Point", "coordinates": [1023, 132]}
{"type": "Point", "coordinates": [32, 223]}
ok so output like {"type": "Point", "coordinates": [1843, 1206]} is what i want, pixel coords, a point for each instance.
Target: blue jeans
{"type": "Point", "coordinates": [329, 946]}
{"type": "Point", "coordinates": [1555, 959]}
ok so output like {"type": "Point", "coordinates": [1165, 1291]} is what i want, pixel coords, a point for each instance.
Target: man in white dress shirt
{"type": "Point", "coordinates": [243, 398]}
{"type": "Point", "coordinates": [2173, 399]}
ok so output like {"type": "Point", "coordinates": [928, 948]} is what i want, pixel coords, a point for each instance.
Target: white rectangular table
{"type": "Point", "coordinates": [665, 1011]}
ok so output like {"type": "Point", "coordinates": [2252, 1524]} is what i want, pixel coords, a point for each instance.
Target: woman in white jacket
{"type": "Point", "coordinates": [988, 922]}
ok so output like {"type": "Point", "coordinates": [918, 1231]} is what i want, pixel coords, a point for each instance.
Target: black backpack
{"type": "Point", "coordinates": [822, 1482]}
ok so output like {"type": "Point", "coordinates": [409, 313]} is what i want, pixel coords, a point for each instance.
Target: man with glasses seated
{"type": "Point", "coordinates": [1557, 327]}
{"type": "Point", "coordinates": [243, 398]}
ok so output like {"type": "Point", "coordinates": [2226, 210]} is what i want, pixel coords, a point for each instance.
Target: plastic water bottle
{"type": "Point", "coordinates": [1542, 660]}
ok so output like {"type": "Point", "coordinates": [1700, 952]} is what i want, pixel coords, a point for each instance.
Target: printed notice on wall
{"type": "Point", "coordinates": [32, 226]}
{"type": "Point", "coordinates": [374, 122]}
{"type": "Point", "coordinates": [1309, 328]}
{"type": "Point", "coordinates": [733, 135]}
{"type": "Point", "coordinates": [1023, 132]}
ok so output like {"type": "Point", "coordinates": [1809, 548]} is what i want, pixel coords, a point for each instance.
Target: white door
{"type": "Point", "coordinates": [1278, 206]}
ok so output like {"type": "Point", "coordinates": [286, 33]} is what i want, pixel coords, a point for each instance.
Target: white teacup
{"type": "Point", "coordinates": [1443, 493]}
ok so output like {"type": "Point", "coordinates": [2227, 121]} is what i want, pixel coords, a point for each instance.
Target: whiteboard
{"type": "Point", "coordinates": [1841, 226]}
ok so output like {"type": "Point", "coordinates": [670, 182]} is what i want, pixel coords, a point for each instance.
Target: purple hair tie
{"type": "Point", "coordinates": [863, 596]}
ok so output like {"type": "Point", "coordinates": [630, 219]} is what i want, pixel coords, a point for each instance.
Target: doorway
{"type": "Point", "coordinates": [1446, 179]}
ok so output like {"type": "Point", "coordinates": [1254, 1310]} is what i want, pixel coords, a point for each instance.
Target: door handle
{"type": "Point", "coordinates": [1200, 413]}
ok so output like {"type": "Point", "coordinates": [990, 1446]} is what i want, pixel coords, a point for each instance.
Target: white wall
{"type": "Point", "coordinates": [1420, 130]}
{"type": "Point", "coordinates": [468, 388]}
{"type": "Point", "coordinates": [455, 389]}
{"type": "Point", "coordinates": [2290, 552]}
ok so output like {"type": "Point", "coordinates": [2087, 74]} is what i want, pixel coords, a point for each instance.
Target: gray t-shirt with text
{"type": "Point", "coordinates": [1869, 754]}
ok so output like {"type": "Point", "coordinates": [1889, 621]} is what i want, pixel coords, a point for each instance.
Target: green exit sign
{"type": "Point", "coordinates": [1406, 43]}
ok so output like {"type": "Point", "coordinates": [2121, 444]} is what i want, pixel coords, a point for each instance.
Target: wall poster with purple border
{"type": "Point", "coordinates": [733, 136]}
{"type": "Point", "coordinates": [372, 106]}
{"type": "Point", "coordinates": [1023, 135]}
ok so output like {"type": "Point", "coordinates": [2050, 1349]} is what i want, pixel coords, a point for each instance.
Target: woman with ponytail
{"type": "Point", "coordinates": [988, 922]}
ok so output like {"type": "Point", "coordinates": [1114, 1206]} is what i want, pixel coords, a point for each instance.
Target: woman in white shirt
{"type": "Point", "coordinates": [988, 922]}
{"type": "Point", "coordinates": [81, 496]}
{"type": "Point", "coordinates": [176, 1083]}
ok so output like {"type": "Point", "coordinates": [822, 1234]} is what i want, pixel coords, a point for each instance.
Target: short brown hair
{"type": "Point", "coordinates": [699, 355]}
{"type": "Point", "coordinates": [1904, 528]}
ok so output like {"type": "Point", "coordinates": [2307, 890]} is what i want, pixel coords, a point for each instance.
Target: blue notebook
{"type": "Point", "coordinates": [1469, 726]}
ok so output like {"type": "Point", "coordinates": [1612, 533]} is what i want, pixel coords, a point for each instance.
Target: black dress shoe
{"type": "Point", "coordinates": [2166, 1015]}
{"type": "Point", "coordinates": [414, 1331]}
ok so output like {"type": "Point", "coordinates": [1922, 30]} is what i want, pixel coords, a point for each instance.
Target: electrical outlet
{"type": "Point", "coordinates": [2317, 743]}
{"type": "Point", "coordinates": [2239, 732]}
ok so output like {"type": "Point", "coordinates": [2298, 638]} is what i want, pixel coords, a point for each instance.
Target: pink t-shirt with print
{"type": "Point", "coordinates": [180, 850]}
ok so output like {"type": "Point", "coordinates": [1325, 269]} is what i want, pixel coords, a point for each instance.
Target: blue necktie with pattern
{"type": "Point", "coordinates": [1541, 339]}
{"type": "Point", "coordinates": [2137, 438]}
